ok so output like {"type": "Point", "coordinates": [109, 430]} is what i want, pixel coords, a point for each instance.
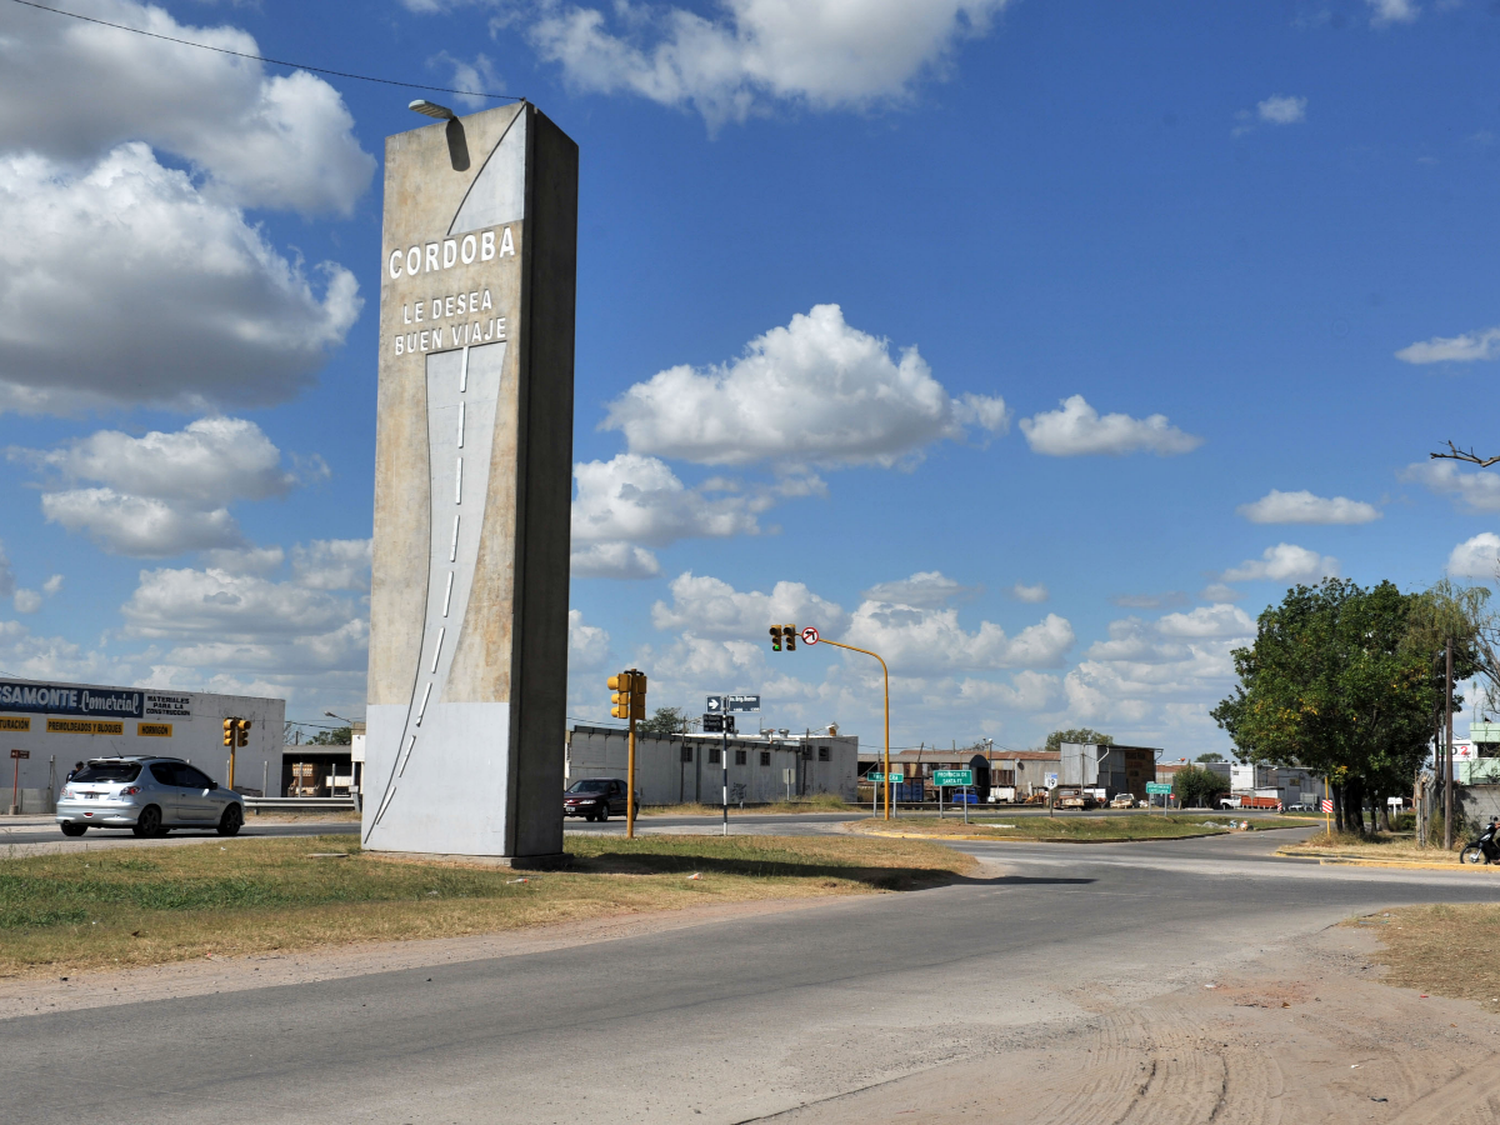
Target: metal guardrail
{"type": "Point", "coordinates": [300, 804]}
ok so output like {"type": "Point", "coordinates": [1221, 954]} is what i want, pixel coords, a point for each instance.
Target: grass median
{"type": "Point", "coordinates": [118, 908]}
{"type": "Point", "coordinates": [1389, 847]}
{"type": "Point", "coordinates": [1072, 827]}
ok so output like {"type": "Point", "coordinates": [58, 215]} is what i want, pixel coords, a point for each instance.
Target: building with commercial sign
{"type": "Point", "coordinates": [47, 727]}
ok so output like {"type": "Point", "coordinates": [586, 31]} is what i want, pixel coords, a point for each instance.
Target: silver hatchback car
{"type": "Point", "coordinates": [148, 795]}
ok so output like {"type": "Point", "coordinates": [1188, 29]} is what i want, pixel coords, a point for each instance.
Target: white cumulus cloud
{"type": "Point", "coordinates": [630, 502]}
{"type": "Point", "coordinates": [1387, 12]}
{"type": "Point", "coordinates": [1282, 109]}
{"type": "Point", "coordinates": [71, 90]}
{"type": "Point", "coordinates": [1304, 507]}
{"type": "Point", "coordinates": [126, 284]}
{"type": "Point", "coordinates": [1477, 491]}
{"type": "Point", "coordinates": [1078, 429]}
{"type": "Point", "coordinates": [921, 642]}
{"type": "Point", "coordinates": [1284, 562]}
{"type": "Point", "coordinates": [711, 608]}
{"type": "Point", "coordinates": [1465, 348]}
{"type": "Point", "coordinates": [242, 621]}
{"type": "Point", "coordinates": [140, 526]}
{"type": "Point", "coordinates": [1033, 595]}
{"type": "Point", "coordinates": [332, 564]}
{"type": "Point", "coordinates": [926, 589]}
{"type": "Point", "coordinates": [816, 391]}
{"type": "Point", "coordinates": [588, 645]}
{"type": "Point", "coordinates": [825, 54]}
{"type": "Point", "coordinates": [163, 493]}
{"type": "Point", "coordinates": [1478, 557]}
{"type": "Point", "coordinates": [209, 461]}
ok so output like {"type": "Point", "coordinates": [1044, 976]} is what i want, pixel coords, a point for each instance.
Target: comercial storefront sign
{"type": "Point", "coordinates": [53, 699]}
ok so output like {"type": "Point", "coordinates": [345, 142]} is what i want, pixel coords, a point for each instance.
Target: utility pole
{"type": "Point", "coordinates": [1448, 755]}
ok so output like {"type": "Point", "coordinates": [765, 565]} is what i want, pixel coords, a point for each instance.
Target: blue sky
{"type": "Point", "coordinates": [1036, 345]}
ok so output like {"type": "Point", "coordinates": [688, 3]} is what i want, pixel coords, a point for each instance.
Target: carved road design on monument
{"type": "Point", "coordinates": [463, 388]}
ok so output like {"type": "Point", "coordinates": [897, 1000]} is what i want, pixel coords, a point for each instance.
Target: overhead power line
{"type": "Point", "coordinates": [265, 59]}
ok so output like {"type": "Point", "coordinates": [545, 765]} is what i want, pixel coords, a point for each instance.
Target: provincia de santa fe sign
{"type": "Point", "coordinates": [473, 487]}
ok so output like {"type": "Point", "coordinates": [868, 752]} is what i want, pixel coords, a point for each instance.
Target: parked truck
{"type": "Point", "coordinates": [1249, 801]}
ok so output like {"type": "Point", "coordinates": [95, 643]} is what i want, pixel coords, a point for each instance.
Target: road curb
{"type": "Point", "coordinates": [1048, 839]}
{"type": "Point", "coordinates": [1360, 861]}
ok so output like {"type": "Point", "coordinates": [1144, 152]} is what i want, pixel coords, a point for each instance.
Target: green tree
{"type": "Point", "coordinates": [1331, 683]}
{"type": "Point", "coordinates": [1082, 734]}
{"type": "Point", "coordinates": [1197, 787]}
{"type": "Point", "coordinates": [665, 720]}
{"type": "Point", "coordinates": [339, 736]}
{"type": "Point", "coordinates": [1449, 617]}
{"type": "Point", "coordinates": [1211, 756]}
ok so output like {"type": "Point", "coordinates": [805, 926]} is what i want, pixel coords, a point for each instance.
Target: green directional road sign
{"type": "Point", "coordinates": [953, 777]}
{"type": "Point", "coordinates": [896, 778]}
{"type": "Point", "coordinates": [1153, 788]}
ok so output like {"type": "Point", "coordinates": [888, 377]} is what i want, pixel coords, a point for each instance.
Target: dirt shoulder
{"type": "Point", "coordinates": [1307, 1033]}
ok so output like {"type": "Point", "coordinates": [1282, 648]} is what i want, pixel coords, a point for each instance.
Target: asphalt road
{"type": "Point", "coordinates": [38, 831]}
{"type": "Point", "coordinates": [724, 1022]}
{"type": "Point", "coordinates": [805, 824]}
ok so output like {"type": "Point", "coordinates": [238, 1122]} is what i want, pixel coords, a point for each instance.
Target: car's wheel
{"type": "Point", "coordinates": [149, 822]}
{"type": "Point", "coordinates": [603, 812]}
{"type": "Point", "coordinates": [74, 829]}
{"type": "Point", "coordinates": [1472, 854]}
{"type": "Point", "coordinates": [231, 822]}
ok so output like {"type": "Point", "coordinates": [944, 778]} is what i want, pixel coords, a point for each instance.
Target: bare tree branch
{"type": "Point", "coordinates": [1456, 454]}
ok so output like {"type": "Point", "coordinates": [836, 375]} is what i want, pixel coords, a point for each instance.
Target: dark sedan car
{"type": "Point", "coordinates": [594, 798]}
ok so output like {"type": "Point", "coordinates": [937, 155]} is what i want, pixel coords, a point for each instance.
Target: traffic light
{"type": "Point", "coordinates": [244, 739]}
{"type": "Point", "coordinates": [229, 729]}
{"type": "Point", "coordinates": [789, 635]}
{"type": "Point", "coordinates": [621, 685]}
{"type": "Point", "coordinates": [775, 638]}
{"type": "Point", "coordinates": [629, 698]}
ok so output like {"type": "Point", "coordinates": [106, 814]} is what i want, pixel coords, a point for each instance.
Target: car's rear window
{"type": "Point", "coordinates": [109, 771]}
{"type": "Point", "coordinates": [589, 787]}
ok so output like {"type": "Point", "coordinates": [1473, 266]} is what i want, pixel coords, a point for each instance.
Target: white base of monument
{"type": "Point", "coordinates": [457, 809]}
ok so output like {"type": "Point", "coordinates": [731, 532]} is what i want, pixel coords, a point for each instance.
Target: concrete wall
{"type": "Point", "coordinates": [473, 482]}
{"type": "Point", "coordinates": [679, 769]}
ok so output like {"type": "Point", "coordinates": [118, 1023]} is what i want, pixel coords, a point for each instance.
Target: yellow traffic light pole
{"type": "Point", "coordinates": [236, 734]}
{"type": "Point", "coordinates": [887, 672]}
{"type": "Point", "coordinates": [629, 702]}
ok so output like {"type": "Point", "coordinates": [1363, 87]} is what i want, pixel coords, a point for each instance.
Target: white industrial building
{"type": "Point", "coordinates": [688, 768]}
{"type": "Point", "coordinates": [47, 727]}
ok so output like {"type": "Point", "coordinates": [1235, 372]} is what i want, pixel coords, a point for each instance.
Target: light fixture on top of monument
{"type": "Point", "coordinates": [458, 143]}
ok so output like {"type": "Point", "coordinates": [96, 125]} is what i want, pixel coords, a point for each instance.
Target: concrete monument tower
{"type": "Point", "coordinates": [473, 485]}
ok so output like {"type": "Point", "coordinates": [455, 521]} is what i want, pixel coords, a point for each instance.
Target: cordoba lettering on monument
{"type": "Point", "coordinates": [432, 257]}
